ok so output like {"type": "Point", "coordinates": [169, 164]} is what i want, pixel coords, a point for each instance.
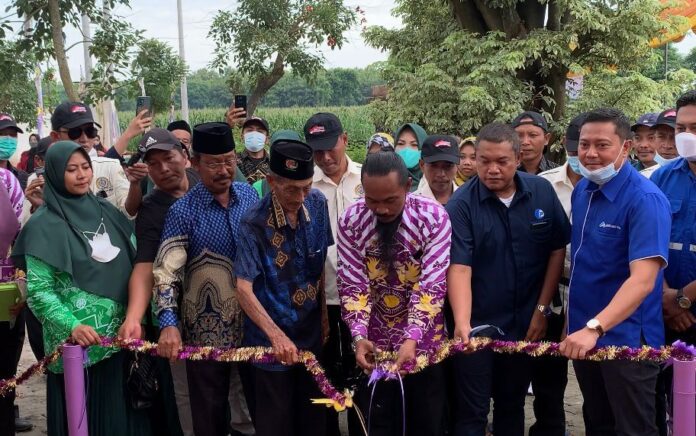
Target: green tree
{"type": "Point", "coordinates": [161, 70]}
{"type": "Point", "coordinates": [482, 60]}
{"type": "Point", "coordinates": [263, 37]}
{"type": "Point", "coordinates": [44, 39]}
{"type": "Point", "coordinates": [655, 68]}
{"type": "Point", "coordinates": [17, 91]}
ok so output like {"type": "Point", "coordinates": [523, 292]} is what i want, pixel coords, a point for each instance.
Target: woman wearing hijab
{"type": "Point", "coordinates": [409, 141]}
{"type": "Point", "coordinates": [78, 253]}
{"type": "Point", "coordinates": [467, 161]}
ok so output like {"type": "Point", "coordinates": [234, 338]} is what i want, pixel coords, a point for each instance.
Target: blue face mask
{"type": "Point", "coordinates": [254, 141]}
{"type": "Point", "coordinates": [574, 164]}
{"type": "Point", "coordinates": [410, 156]}
{"type": "Point", "coordinates": [8, 146]}
{"type": "Point", "coordinates": [602, 175]}
{"type": "Point", "coordinates": [661, 161]}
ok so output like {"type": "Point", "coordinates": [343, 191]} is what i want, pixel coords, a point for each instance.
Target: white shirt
{"type": "Point", "coordinates": [108, 178]}
{"type": "Point", "coordinates": [558, 177]}
{"type": "Point", "coordinates": [339, 198]}
{"type": "Point", "coordinates": [425, 191]}
{"type": "Point", "coordinates": [650, 170]}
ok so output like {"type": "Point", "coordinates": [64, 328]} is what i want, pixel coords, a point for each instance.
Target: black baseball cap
{"type": "Point", "coordinates": [667, 118]}
{"type": "Point", "coordinates": [322, 131]}
{"type": "Point", "coordinates": [572, 136]}
{"type": "Point", "coordinates": [531, 117]}
{"type": "Point", "coordinates": [645, 120]}
{"type": "Point", "coordinates": [71, 114]}
{"type": "Point", "coordinates": [7, 121]}
{"type": "Point", "coordinates": [440, 148]}
{"type": "Point", "coordinates": [158, 139]}
{"type": "Point", "coordinates": [256, 120]}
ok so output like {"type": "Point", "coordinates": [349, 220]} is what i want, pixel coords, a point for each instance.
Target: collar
{"type": "Point", "coordinates": [245, 155]}
{"type": "Point", "coordinates": [521, 186]}
{"type": "Point", "coordinates": [612, 188]}
{"type": "Point", "coordinates": [425, 191]}
{"type": "Point", "coordinates": [278, 213]}
{"type": "Point", "coordinates": [544, 165]}
{"type": "Point", "coordinates": [207, 197]}
{"type": "Point", "coordinates": [353, 168]}
{"type": "Point", "coordinates": [559, 175]}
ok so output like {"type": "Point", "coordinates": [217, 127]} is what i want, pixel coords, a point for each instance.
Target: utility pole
{"type": "Point", "coordinates": [87, 42]}
{"type": "Point", "coordinates": [182, 55]}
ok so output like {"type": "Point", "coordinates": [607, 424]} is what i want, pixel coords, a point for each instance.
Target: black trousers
{"type": "Point", "coordinates": [484, 375]}
{"type": "Point", "coordinates": [424, 396]}
{"type": "Point", "coordinates": [279, 402]}
{"type": "Point", "coordinates": [338, 359]}
{"type": "Point", "coordinates": [11, 342]}
{"type": "Point", "coordinates": [209, 388]}
{"type": "Point", "coordinates": [35, 334]}
{"type": "Point", "coordinates": [618, 397]}
{"type": "Point", "coordinates": [549, 380]}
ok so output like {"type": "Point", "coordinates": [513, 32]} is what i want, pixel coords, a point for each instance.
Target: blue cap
{"type": "Point", "coordinates": [647, 120]}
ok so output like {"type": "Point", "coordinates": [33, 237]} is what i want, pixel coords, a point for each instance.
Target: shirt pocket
{"type": "Point", "coordinates": [540, 231]}
{"type": "Point", "coordinates": [315, 264]}
{"type": "Point", "coordinates": [675, 206]}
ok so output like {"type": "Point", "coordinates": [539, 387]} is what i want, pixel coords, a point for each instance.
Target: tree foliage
{"type": "Point", "coordinates": [264, 37]}
{"type": "Point", "coordinates": [161, 70]}
{"type": "Point", "coordinates": [483, 60]}
{"type": "Point", "coordinates": [17, 91]}
{"type": "Point", "coordinates": [44, 39]}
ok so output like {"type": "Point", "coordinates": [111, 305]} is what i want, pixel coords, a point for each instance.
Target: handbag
{"type": "Point", "coordinates": [142, 378]}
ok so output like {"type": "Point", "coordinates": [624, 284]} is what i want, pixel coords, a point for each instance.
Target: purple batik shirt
{"type": "Point", "coordinates": [405, 303]}
{"type": "Point", "coordinates": [10, 211]}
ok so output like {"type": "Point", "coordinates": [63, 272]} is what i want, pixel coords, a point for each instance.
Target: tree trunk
{"type": "Point", "coordinates": [59, 47]}
{"type": "Point", "coordinates": [265, 83]}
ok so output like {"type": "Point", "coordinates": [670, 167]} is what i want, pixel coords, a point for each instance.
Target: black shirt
{"type": "Point", "coordinates": [150, 220]}
{"type": "Point", "coordinates": [507, 248]}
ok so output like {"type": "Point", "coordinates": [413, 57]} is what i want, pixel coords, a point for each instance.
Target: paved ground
{"type": "Point", "coordinates": [33, 393]}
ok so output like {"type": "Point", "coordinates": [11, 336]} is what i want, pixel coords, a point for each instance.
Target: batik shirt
{"type": "Point", "coordinates": [253, 169]}
{"type": "Point", "coordinates": [285, 266]}
{"type": "Point", "coordinates": [14, 190]}
{"type": "Point", "coordinates": [196, 260]}
{"type": "Point", "coordinates": [405, 301]}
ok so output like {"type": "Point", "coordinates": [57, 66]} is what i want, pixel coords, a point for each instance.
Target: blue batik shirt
{"type": "Point", "coordinates": [194, 270]}
{"type": "Point", "coordinates": [285, 266]}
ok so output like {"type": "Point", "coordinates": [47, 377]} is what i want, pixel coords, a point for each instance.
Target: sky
{"type": "Point", "coordinates": [159, 20]}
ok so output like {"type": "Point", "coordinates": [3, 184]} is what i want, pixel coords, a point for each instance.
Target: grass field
{"type": "Point", "coordinates": [355, 120]}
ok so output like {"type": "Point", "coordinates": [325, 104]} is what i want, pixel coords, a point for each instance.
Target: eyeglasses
{"type": "Point", "coordinates": [229, 163]}
{"type": "Point", "coordinates": [90, 131]}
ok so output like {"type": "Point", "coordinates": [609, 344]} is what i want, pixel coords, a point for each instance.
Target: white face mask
{"type": "Point", "coordinates": [102, 249]}
{"type": "Point", "coordinates": [254, 141]}
{"type": "Point", "coordinates": [686, 145]}
{"type": "Point", "coordinates": [602, 175]}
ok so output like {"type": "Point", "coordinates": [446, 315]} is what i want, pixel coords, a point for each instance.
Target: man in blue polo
{"type": "Point", "coordinates": [621, 225]}
{"type": "Point", "coordinates": [509, 234]}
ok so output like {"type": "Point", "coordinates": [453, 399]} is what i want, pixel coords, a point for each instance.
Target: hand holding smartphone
{"type": "Point", "coordinates": [240, 102]}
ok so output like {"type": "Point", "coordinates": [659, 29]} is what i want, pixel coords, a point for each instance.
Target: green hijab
{"type": "Point", "coordinates": [415, 171]}
{"type": "Point", "coordinates": [55, 233]}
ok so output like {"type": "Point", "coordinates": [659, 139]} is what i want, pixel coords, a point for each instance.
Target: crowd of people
{"type": "Point", "coordinates": [290, 244]}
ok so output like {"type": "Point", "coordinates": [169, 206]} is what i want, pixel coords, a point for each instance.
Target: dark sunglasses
{"type": "Point", "coordinates": [91, 132]}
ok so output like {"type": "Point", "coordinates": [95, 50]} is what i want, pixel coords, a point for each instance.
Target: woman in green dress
{"type": "Point", "coordinates": [78, 252]}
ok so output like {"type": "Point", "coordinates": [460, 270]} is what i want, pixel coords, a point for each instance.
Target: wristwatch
{"type": "Point", "coordinates": [544, 309]}
{"type": "Point", "coordinates": [594, 324]}
{"type": "Point", "coordinates": [682, 300]}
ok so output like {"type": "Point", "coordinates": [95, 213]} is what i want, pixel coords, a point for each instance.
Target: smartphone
{"type": "Point", "coordinates": [134, 159]}
{"type": "Point", "coordinates": [143, 103]}
{"type": "Point", "coordinates": [240, 101]}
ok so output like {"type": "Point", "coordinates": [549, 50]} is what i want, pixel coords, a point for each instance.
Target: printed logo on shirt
{"type": "Point", "coordinates": [539, 214]}
{"type": "Point", "coordinates": [359, 191]}
{"type": "Point", "coordinates": [604, 225]}
{"type": "Point", "coordinates": [316, 129]}
{"type": "Point", "coordinates": [78, 109]}
{"type": "Point", "coordinates": [103, 184]}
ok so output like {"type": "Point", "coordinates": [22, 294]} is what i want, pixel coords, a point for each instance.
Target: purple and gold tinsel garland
{"type": "Point", "coordinates": [384, 360]}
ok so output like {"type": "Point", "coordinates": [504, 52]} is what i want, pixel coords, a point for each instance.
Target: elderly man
{"type": "Point", "coordinates": [621, 228]}
{"type": "Point", "coordinates": [393, 253]}
{"type": "Point", "coordinates": [194, 281]}
{"type": "Point", "coordinates": [439, 160]}
{"type": "Point", "coordinates": [508, 244]}
{"type": "Point", "coordinates": [284, 239]}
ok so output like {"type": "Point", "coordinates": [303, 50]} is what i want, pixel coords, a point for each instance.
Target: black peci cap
{"type": "Point", "coordinates": [292, 160]}
{"type": "Point", "coordinates": [212, 138]}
